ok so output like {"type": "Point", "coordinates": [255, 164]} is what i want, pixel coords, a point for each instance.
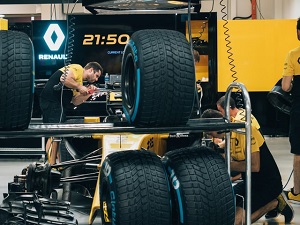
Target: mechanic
{"type": "Point", "coordinates": [235, 112]}
{"type": "Point", "coordinates": [266, 189]}
{"type": "Point", "coordinates": [53, 103]}
{"type": "Point", "coordinates": [291, 83]}
{"type": "Point", "coordinates": [238, 114]}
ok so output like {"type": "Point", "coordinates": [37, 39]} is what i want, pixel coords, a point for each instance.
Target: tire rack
{"type": "Point", "coordinates": [35, 150]}
{"type": "Point", "coordinates": [247, 131]}
{"type": "Point", "coordinates": [193, 126]}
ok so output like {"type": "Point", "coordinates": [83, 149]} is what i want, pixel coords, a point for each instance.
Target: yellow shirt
{"type": "Point", "coordinates": [241, 116]}
{"type": "Point", "coordinates": [292, 63]}
{"type": "Point", "coordinates": [238, 140]}
{"type": "Point", "coordinates": [77, 71]}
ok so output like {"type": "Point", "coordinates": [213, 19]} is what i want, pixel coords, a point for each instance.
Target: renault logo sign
{"type": "Point", "coordinates": [54, 45]}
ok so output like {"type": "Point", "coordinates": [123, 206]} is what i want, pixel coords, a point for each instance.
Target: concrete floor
{"type": "Point", "coordinates": [279, 147]}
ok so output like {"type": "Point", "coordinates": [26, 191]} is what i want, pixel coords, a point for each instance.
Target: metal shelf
{"type": "Point", "coordinates": [69, 130]}
{"type": "Point", "coordinates": [21, 152]}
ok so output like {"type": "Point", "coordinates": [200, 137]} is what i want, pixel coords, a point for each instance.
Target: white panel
{"type": "Point", "coordinates": [19, 9]}
{"type": "Point", "coordinates": [278, 9]}
{"type": "Point", "coordinates": [243, 8]}
{"type": "Point", "coordinates": [265, 9]}
{"type": "Point", "coordinates": [52, 14]}
{"type": "Point", "coordinates": [290, 9]}
{"type": "Point", "coordinates": [73, 8]}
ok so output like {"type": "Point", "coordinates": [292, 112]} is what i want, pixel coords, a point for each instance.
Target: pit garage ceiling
{"type": "Point", "coordinates": [36, 1]}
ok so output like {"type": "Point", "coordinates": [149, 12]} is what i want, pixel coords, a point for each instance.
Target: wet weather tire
{"type": "Point", "coordinates": [16, 68]}
{"type": "Point", "coordinates": [280, 99]}
{"type": "Point", "coordinates": [134, 189]}
{"type": "Point", "coordinates": [200, 186]}
{"type": "Point", "coordinates": [158, 78]}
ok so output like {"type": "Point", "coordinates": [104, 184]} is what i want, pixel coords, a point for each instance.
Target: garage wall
{"type": "Point", "coordinates": [266, 9]}
{"type": "Point", "coordinates": [20, 9]}
{"type": "Point", "coordinates": [259, 48]}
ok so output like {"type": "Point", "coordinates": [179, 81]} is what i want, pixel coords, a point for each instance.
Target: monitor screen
{"type": "Point", "coordinates": [103, 38]}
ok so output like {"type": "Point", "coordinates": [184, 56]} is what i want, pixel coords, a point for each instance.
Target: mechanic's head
{"type": "Point", "coordinates": [221, 104]}
{"type": "Point", "coordinates": [94, 71]}
{"type": "Point", "coordinates": [198, 84]}
{"type": "Point", "coordinates": [212, 113]}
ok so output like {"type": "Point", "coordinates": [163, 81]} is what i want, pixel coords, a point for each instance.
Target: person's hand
{"type": "Point", "coordinates": [216, 148]}
{"type": "Point", "coordinates": [83, 90]}
{"type": "Point", "coordinates": [91, 89]}
{"type": "Point", "coordinates": [217, 140]}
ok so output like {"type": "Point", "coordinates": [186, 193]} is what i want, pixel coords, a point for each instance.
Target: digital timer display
{"type": "Point", "coordinates": [110, 39]}
{"type": "Point", "coordinates": [102, 38]}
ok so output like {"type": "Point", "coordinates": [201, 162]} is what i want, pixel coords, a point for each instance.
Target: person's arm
{"type": "Point", "coordinates": [221, 143]}
{"type": "Point", "coordinates": [286, 83]}
{"type": "Point", "coordinates": [70, 82]}
{"type": "Point", "coordinates": [240, 166]}
{"type": "Point", "coordinates": [81, 98]}
{"type": "Point", "coordinates": [287, 75]}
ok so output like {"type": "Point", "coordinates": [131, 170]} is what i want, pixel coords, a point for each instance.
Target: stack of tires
{"type": "Point", "coordinates": [16, 80]}
{"type": "Point", "coordinates": [188, 186]}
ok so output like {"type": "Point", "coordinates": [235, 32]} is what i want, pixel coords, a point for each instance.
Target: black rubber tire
{"type": "Point", "coordinates": [17, 80]}
{"type": "Point", "coordinates": [158, 78]}
{"type": "Point", "coordinates": [280, 99]}
{"type": "Point", "coordinates": [200, 186]}
{"type": "Point", "coordinates": [135, 189]}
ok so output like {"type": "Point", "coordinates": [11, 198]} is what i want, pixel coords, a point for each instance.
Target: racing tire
{"type": "Point", "coordinates": [280, 99]}
{"type": "Point", "coordinates": [201, 187]}
{"type": "Point", "coordinates": [17, 80]}
{"type": "Point", "coordinates": [158, 78]}
{"type": "Point", "coordinates": [134, 189]}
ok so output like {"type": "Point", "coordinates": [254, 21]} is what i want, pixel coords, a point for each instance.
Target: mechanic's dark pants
{"type": "Point", "coordinates": [259, 196]}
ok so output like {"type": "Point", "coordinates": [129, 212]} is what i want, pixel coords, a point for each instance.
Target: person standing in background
{"type": "Point", "coordinates": [291, 83]}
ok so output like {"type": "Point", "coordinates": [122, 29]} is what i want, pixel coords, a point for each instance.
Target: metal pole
{"type": "Point", "coordinates": [253, 10]}
{"type": "Point", "coordinates": [247, 104]}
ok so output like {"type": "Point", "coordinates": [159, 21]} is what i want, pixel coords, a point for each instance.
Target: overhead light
{"type": "Point", "coordinates": [94, 5]}
{"type": "Point", "coordinates": [1, 15]}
